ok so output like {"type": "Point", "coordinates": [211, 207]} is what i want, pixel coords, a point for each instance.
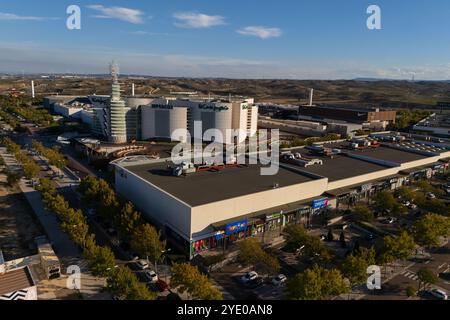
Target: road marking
{"type": "Point", "coordinates": [442, 265]}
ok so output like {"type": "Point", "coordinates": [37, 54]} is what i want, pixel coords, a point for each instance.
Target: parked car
{"type": "Point", "coordinates": [370, 237]}
{"type": "Point", "coordinates": [142, 264]}
{"type": "Point", "coordinates": [279, 280]}
{"type": "Point", "coordinates": [151, 276]}
{"type": "Point", "coordinates": [407, 204]}
{"type": "Point", "coordinates": [249, 276]}
{"type": "Point", "coordinates": [161, 285]}
{"type": "Point", "coordinates": [255, 283]}
{"type": "Point", "coordinates": [390, 220]}
{"type": "Point", "coordinates": [431, 196]}
{"type": "Point", "coordinates": [438, 294]}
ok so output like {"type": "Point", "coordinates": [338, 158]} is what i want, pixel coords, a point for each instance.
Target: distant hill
{"type": "Point", "coordinates": [363, 91]}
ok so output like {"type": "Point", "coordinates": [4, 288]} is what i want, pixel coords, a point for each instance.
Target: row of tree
{"type": "Point", "coordinates": [144, 238]}
{"type": "Point", "coordinates": [29, 167]}
{"type": "Point", "coordinates": [53, 155]}
{"type": "Point", "coordinates": [120, 281]}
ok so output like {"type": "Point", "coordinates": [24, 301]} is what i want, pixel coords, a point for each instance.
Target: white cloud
{"type": "Point", "coordinates": [125, 14]}
{"type": "Point", "coordinates": [147, 33]}
{"type": "Point", "coordinates": [260, 32]}
{"type": "Point", "coordinates": [14, 17]}
{"type": "Point", "coordinates": [197, 20]}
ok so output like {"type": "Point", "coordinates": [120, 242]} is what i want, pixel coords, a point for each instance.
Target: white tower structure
{"type": "Point", "coordinates": [311, 96]}
{"type": "Point", "coordinates": [32, 89]}
{"type": "Point", "coordinates": [132, 89]}
{"type": "Point", "coordinates": [117, 110]}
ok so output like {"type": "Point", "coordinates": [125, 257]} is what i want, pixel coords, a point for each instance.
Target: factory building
{"type": "Point", "coordinates": [372, 118]}
{"type": "Point", "coordinates": [210, 207]}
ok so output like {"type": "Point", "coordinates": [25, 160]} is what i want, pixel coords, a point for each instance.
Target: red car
{"type": "Point", "coordinates": [162, 286]}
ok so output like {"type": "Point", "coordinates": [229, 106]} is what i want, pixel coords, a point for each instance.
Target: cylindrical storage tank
{"type": "Point", "coordinates": [161, 120]}
{"type": "Point", "coordinates": [218, 116]}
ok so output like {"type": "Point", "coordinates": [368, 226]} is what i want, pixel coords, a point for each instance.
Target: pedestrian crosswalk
{"type": "Point", "coordinates": [410, 275]}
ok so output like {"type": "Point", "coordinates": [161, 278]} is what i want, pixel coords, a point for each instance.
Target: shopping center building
{"type": "Point", "coordinates": [214, 207]}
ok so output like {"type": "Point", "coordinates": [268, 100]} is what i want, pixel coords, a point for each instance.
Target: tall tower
{"type": "Point", "coordinates": [117, 121]}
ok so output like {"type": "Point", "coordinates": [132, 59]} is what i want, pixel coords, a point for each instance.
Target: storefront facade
{"type": "Point", "coordinates": [264, 228]}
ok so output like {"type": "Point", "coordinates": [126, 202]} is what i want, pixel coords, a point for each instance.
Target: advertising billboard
{"type": "Point", "coordinates": [236, 227]}
{"type": "Point", "coordinates": [320, 203]}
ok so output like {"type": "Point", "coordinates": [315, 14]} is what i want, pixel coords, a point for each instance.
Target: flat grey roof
{"type": "Point", "coordinates": [341, 167]}
{"type": "Point", "coordinates": [204, 187]}
{"type": "Point", "coordinates": [389, 154]}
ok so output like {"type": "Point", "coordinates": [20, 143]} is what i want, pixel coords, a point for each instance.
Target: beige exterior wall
{"type": "Point", "coordinates": [424, 162]}
{"type": "Point", "coordinates": [362, 179]}
{"type": "Point", "coordinates": [156, 205]}
{"type": "Point", "coordinates": [204, 216]}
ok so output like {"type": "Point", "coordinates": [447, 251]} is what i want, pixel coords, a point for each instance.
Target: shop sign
{"type": "Point", "coordinates": [320, 203]}
{"type": "Point", "coordinates": [305, 210]}
{"type": "Point", "coordinates": [273, 216]}
{"type": "Point", "coordinates": [219, 235]}
{"type": "Point", "coordinates": [236, 227]}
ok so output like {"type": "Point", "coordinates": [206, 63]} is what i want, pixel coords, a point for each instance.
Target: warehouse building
{"type": "Point", "coordinates": [213, 207]}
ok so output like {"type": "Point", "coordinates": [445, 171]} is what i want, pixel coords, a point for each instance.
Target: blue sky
{"type": "Point", "coordinates": [301, 39]}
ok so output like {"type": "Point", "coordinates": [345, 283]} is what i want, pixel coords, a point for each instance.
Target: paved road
{"type": "Point", "coordinates": [395, 288]}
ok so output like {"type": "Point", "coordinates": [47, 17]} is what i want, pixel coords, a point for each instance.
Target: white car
{"type": "Point", "coordinates": [279, 280]}
{"type": "Point", "coordinates": [439, 294]}
{"type": "Point", "coordinates": [390, 220]}
{"type": "Point", "coordinates": [431, 196]}
{"type": "Point", "coordinates": [250, 276]}
{"type": "Point", "coordinates": [142, 264]}
{"type": "Point", "coordinates": [151, 276]}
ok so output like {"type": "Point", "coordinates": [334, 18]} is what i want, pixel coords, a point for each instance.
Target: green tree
{"type": "Point", "coordinates": [101, 259]}
{"type": "Point", "coordinates": [411, 292]}
{"type": "Point", "coordinates": [12, 178]}
{"type": "Point", "coordinates": [428, 230]}
{"type": "Point", "coordinates": [355, 266]}
{"type": "Point", "coordinates": [31, 170]}
{"type": "Point", "coordinates": [426, 277]}
{"type": "Point", "coordinates": [396, 248]}
{"type": "Point", "coordinates": [405, 193]}
{"type": "Point", "coordinates": [385, 201]}
{"type": "Point", "coordinates": [122, 283]}
{"type": "Point", "coordinates": [187, 278]}
{"type": "Point", "coordinates": [108, 204]}
{"type": "Point", "coordinates": [295, 235]}
{"type": "Point", "coordinates": [355, 269]}
{"type": "Point", "coordinates": [425, 186]}
{"type": "Point", "coordinates": [316, 283]}
{"type": "Point", "coordinates": [75, 224]}
{"type": "Point", "coordinates": [363, 213]}
{"type": "Point", "coordinates": [46, 186]}
{"type": "Point", "coordinates": [146, 241]}
{"type": "Point", "coordinates": [128, 219]}
{"type": "Point", "coordinates": [251, 253]}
